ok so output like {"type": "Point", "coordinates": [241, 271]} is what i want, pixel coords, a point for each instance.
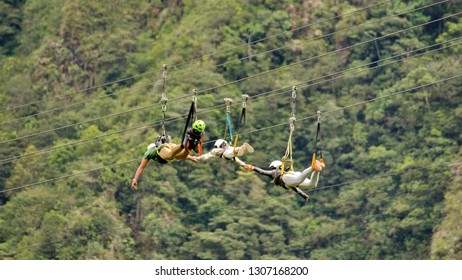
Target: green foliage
{"type": "Point", "coordinates": [91, 74]}
{"type": "Point", "coordinates": [10, 25]}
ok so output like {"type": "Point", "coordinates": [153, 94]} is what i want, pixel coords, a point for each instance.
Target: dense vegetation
{"type": "Point", "coordinates": [80, 85]}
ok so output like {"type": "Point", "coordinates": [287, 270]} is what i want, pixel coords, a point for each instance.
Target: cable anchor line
{"type": "Point", "coordinates": [288, 155]}
{"type": "Point", "coordinates": [164, 98]}
{"type": "Point", "coordinates": [164, 138]}
{"type": "Point", "coordinates": [294, 97]}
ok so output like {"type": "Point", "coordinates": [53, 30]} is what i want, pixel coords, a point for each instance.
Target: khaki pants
{"type": "Point", "coordinates": [170, 151]}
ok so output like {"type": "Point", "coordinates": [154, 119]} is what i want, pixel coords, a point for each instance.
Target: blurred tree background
{"type": "Point", "coordinates": [80, 85]}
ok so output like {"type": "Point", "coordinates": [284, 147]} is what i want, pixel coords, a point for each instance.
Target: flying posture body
{"type": "Point", "coordinates": [294, 180]}
{"type": "Point", "coordinates": [167, 152]}
{"type": "Point", "coordinates": [222, 149]}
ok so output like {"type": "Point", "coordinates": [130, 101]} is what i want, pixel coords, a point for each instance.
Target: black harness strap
{"type": "Point", "coordinates": [317, 139]}
{"type": "Point", "coordinates": [191, 116]}
{"type": "Point", "coordinates": [242, 118]}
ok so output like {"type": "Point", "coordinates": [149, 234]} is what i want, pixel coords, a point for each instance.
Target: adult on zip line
{"type": "Point", "coordinates": [286, 177]}
{"type": "Point", "coordinates": [221, 148]}
{"type": "Point", "coordinates": [162, 151]}
{"type": "Point", "coordinates": [167, 152]}
{"type": "Point", "coordinates": [289, 179]}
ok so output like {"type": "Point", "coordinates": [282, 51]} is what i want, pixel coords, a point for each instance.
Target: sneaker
{"type": "Point", "coordinates": [245, 147]}
{"type": "Point", "coordinates": [248, 148]}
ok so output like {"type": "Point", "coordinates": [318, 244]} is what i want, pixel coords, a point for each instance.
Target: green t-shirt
{"type": "Point", "coordinates": [151, 153]}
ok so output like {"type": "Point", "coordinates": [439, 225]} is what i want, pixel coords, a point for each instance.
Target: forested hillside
{"type": "Point", "coordinates": [80, 89]}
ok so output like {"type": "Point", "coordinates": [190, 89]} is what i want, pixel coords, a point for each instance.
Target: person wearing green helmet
{"type": "Point", "coordinates": [193, 139]}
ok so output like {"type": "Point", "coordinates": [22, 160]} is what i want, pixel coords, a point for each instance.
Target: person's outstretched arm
{"type": "Point", "coordinates": [268, 173]}
{"type": "Point", "coordinates": [213, 153]}
{"type": "Point", "coordinates": [238, 161]}
{"type": "Point", "coordinates": [192, 158]}
{"type": "Point", "coordinates": [139, 171]}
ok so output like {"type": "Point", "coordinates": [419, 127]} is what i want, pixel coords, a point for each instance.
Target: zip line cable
{"type": "Point", "coordinates": [361, 67]}
{"type": "Point", "coordinates": [257, 97]}
{"type": "Point", "coordinates": [288, 32]}
{"type": "Point", "coordinates": [276, 69]}
{"type": "Point", "coordinates": [405, 55]}
{"type": "Point", "coordinates": [84, 122]}
{"type": "Point", "coordinates": [77, 103]}
{"type": "Point", "coordinates": [323, 36]}
{"type": "Point", "coordinates": [333, 52]}
{"type": "Point", "coordinates": [309, 40]}
{"type": "Point", "coordinates": [385, 96]}
{"type": "Point", "coordinates": [77, 91]}
{"type": "Point", "coordinates": [142, 126]}
{"type": "Point", "coordinates": [386, 174]}
{"type": "Point", "coordinates": [417, 50]}
{"type": "Point", "coordinates": [207, 55]}
{"type": "Point", "coordinates": [238, 60]}
{"type": "Point", "coordinates": [242, 205]}
{"type": "Point", "coordinates": [305, 118]}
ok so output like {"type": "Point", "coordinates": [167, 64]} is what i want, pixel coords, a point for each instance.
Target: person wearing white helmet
{"type": "Point", "coordinates": [224, 150]}
{"type": "Point", "coordinates": [294, 180]}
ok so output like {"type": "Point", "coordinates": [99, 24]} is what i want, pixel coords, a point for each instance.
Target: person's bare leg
{"type": "Point", "coordinates": [182, 154]}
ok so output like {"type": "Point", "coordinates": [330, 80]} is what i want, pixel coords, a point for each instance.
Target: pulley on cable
{"type": "Point", "coordinates": [288, 155]}
{"type": "Point", "coordinates": [164, 138]}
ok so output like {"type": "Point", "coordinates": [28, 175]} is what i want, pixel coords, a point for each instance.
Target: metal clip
{"type": "Point", "coordinates": [318, 113]}
{"type": "Point", "coordinates": [245, 98]}
{"type": "Point", "coordinates": [228, 102]}
{"type": "Point", "coordinates": [292, 123]}
{"type": "Point", "coordinates": [194, 98]}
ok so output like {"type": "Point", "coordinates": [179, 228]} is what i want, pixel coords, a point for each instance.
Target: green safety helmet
{"type": "Point", "coordinates": [199, 125]}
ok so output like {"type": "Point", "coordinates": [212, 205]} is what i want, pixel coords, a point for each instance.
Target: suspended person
{"type": "Point", "coordinates": [223, 149]}
{"type": "Point", "coordinates": [167, 152]}
{"type": "Point", "coordinates": [294, 180]}
{"type": "Point", "coordinates": [193, 138]}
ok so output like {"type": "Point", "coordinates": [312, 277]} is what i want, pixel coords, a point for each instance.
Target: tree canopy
{"type": "Point", "coordinates": [80, 85]}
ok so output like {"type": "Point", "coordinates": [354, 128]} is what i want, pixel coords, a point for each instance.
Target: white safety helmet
{"type": "Point", "coordinates": [221, 143]}
{"type": "Point", "coordinates": [276, 164]}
